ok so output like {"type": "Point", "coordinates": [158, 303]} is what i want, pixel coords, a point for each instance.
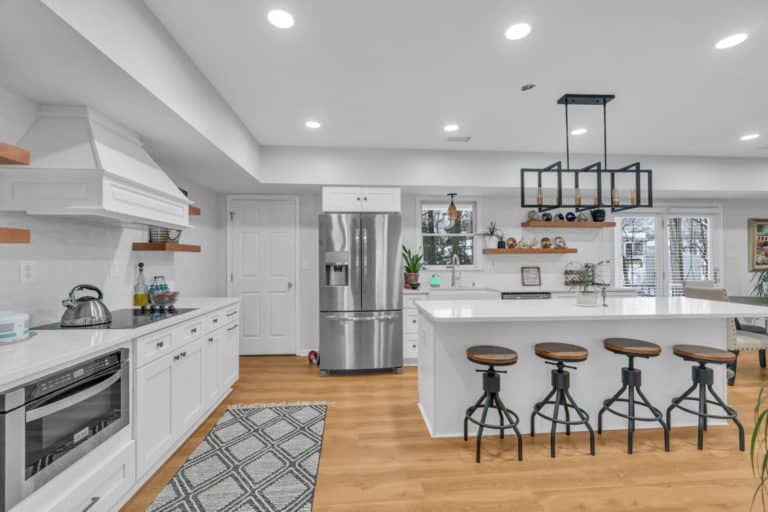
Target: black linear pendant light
{"type": "Point", "coordinates": [642, 178]}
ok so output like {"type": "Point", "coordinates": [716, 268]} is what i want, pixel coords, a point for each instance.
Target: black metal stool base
{"type": "Point", "coordinates": [703, 377]}
{"type": "Point", "coordinates": [491, 400]}
{"type": "Point", "coordinates": [562, 398]}
{"type": "Point", "coordinates": [631, 379]}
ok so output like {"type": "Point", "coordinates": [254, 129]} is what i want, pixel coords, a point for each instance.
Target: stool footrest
{"type": "Point", "coordinates": [731, 413]}
{"type": "Point", "coordinates": [496, 426]}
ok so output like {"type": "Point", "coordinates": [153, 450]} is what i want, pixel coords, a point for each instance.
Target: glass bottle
{"type": "Point", "coordinates": [140, 297]}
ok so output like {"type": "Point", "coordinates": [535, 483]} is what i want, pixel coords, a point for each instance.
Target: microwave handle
{"type": "Point", "coordinates": [69, 401]}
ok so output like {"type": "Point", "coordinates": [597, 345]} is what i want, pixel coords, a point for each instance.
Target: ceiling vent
{"type": "Point", "coordinates": [458, 139]}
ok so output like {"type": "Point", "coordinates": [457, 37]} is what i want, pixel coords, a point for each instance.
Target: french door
{"type": "Point", "coordinates": [659, 251]}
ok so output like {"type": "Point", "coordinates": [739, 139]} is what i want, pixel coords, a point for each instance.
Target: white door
{"type": "Point", "coordinates": [154, 429]}
{"type": "Point", "coordinates": [262, 233]}
{"type": "Point", "coordinates": [227, 355]}
{"type": "Point", "coordinates": [211, 378]}
{"type": "Point", "coordinates": [187, 385]}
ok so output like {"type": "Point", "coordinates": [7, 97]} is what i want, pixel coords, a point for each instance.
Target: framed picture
{"type": "Point", "coordinates": [531, 276]}
{"type": "Point", "coordinates": [758, 245]}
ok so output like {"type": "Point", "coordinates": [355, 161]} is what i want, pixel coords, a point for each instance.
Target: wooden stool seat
{"type": "Point", "coordinates": [561, 351]}
{"type": "Point", "coordinates": [491, 355]}
{"type": "Point", "coordinates": [632, 347]}
{"type": "Point", "coordinates": [704, 354]}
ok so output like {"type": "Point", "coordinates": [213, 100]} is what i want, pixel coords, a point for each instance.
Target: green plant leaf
{"type": "Point", "coordinates": [755, 433]}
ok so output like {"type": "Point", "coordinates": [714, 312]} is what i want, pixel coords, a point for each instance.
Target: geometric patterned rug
{"type": "Point", "coordinates": [258, 458]}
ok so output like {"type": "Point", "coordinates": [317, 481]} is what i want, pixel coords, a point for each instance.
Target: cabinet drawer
{"type": "Point", "coordinates": [150, 347]}
{"type": "Point", "coordinates": [410, 322]}
{"type": "Point", "coordinates": [108, 484]}
{"type": "Point", "coordinates": [187, 332]}
{"type": "Point", "coordinates": [231, 314]}
{"type": "Point", "coordinates": [410, 346]}
{"type": "Point", "coordinates": [213, 321]}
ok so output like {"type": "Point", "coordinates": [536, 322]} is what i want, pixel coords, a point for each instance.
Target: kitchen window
{"type": "Point", "coordinates": [442, 237]}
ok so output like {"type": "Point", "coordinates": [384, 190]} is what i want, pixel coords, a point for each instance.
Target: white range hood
{"type": "Point", "coordinates": [84, 164]}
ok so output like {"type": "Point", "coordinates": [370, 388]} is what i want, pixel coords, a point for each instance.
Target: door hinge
{"type": "Point", "coordinates": [231, 216]}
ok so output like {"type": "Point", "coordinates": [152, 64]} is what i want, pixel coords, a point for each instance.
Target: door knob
{"type": "Point", "coordinates": [290, 285]}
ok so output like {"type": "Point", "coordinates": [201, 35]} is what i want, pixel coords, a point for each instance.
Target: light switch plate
{"type": "Point", "coordinates": [27, 271]}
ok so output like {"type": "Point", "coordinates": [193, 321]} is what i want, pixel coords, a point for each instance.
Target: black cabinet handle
{"type": "Point", "coordinates": [160, 344]}
{"type": "Point", "coordinates": [232, 328]}
{"type": "Point", "coordinates": [210, 340]}
{"type": "Point", "coordinates": [94, 500]}
{"type": "Point", "coordinates": [232, 313]}
{"type": "Point", "coordinates": [194, 330]}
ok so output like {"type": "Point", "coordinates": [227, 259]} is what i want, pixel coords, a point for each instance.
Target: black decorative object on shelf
{"type": "Point", "coordinates": [642, 178]}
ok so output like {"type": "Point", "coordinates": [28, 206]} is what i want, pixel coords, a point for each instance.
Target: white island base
{"type": "Point", "coordinates": [448, 383]}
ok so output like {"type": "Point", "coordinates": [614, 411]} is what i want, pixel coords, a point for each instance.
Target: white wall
{"type": "Point", "coordinates": [68, 251]}
{"type": "Point", "coordinates": [736, 215]}
{"type": "Point", "coordinates": [17, 114]}
{"type": "Point", "coordinates": [503, 271]}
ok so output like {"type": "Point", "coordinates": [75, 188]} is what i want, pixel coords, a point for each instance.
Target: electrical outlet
{"type": "Point", "coordinates": [27, 271]}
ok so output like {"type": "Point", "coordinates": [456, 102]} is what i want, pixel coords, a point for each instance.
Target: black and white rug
{"type": "Point", "coordinates": [258, 458]}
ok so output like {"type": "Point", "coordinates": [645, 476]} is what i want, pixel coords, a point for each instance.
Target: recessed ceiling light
{"type": "Point", "coordinates": [731, 41]}
{"type": "Point", "coordinates": [579, 131]}
{"type": "Point", "coordinates": [312, 124]}
{"type": "Point", "coordinates": [451, 128]}
{"type": "Point", "coordinates": [517, 31]}
{"type": "Point", "coordinates": [280, 18]}
{"type": "Point", "coordinates": [749, 136]}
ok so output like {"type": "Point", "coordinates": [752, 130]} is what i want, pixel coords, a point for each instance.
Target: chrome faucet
{"type": "Point", "coordinates": [455, 262]}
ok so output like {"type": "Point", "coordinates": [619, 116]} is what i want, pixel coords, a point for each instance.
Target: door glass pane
{"type": "Point", "coordinates": [689, 249]}
{"type": "Point", "coordinates": [638, 253]}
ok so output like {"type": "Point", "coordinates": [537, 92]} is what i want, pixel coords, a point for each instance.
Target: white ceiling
{"type": "Point", "coordinates": [44, 60]}
{"type": "Point", "coordinates": [391, 73]}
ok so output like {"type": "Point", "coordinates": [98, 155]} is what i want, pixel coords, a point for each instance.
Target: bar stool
{"type": "Point", "coordinates": [556, 354]}
{"type": "Point", "coordinates": [492, 356]}
{"type": "Point", "coordinates": [703, 377]}
{"type": "Point", "coordinates": [631, 379]}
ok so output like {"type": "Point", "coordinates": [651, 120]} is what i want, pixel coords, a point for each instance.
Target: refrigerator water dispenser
{"type": "Point", "coordinates": [336, 274]}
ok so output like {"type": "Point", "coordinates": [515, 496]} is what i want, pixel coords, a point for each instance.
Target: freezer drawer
{"type": "Point", "coordinates": [361, 341]}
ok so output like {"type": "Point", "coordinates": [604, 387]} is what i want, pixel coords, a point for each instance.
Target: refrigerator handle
{"type": "Point", "coordinates": [356, 250]}
{"type": "Point", "coordinates": [365, 251]}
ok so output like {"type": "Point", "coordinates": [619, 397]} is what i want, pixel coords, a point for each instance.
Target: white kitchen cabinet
{"type": "Point", "coordinates": [187, 386]}
{"type": "Point", "coordinates": [211, 380]}
{"type": "Point", "coordinates": [411, 326]}
{"type": "Point", "coordinates": [381, 199]}
{"type": "Point", "coordinates": [228, 353]}
{"type": "Point", "coordinates": [154, 411]}
{"type": "Point", "coordinates": [361, 199]}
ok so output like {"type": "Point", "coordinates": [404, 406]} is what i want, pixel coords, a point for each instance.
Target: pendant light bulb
{"type": "Point", "coordinates": [453, 213]}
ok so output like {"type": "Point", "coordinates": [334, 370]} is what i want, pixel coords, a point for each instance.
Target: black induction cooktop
{"type": "Point", "coordinates": [125, 319]}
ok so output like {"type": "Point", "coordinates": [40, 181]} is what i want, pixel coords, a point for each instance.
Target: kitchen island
{"type": "Point", "coordinates": [448, 383]}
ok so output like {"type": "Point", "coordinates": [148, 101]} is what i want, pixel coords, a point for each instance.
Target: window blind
{"type": "Point", "coordinates": [689, 251]}
{"type": "Point", "coordinates": [638, 253]}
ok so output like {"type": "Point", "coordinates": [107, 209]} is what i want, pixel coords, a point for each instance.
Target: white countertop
{"type": "Point", "coordinates": [48, 350]}
{"type": "Point", "coordinates": [619, 308]}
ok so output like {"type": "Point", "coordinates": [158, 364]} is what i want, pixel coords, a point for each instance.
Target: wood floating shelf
{"type": "Point", "coordinates": [13, 155]}
{"type": "Point", "coordinates": [165, 246]}
{"type": "Point", "coordinates": [518, 250]}
{"type": "Point", "coordinates": [194, 210]}
{"type": "Point", "coordinates": [566, 224]}
{"type": "Point", "coordinates": [14, 236]}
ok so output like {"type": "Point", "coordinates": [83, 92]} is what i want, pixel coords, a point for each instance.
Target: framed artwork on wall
{"type": "Point", "coordinates": [531, 276]}
{"type": "Point", "coordinates": [758, 245]}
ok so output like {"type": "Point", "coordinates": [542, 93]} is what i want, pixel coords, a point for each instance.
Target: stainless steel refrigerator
{"type": "Point", "coordinates": [360, 296]}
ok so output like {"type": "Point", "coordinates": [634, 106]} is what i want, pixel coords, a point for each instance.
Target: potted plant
{"type": "Point", "coordinates": [412, 265]}
{"type": "Point", "coordinates": [492, 231]}
{"type": "Point", "coordinates": [586, 296]}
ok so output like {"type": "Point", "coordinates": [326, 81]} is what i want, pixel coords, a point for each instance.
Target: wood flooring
{"type": "Point", "coordinates": [377, 455]}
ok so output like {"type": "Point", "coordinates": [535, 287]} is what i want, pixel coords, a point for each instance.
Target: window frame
{"type": "Point", "coordinates": [477, 250]}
